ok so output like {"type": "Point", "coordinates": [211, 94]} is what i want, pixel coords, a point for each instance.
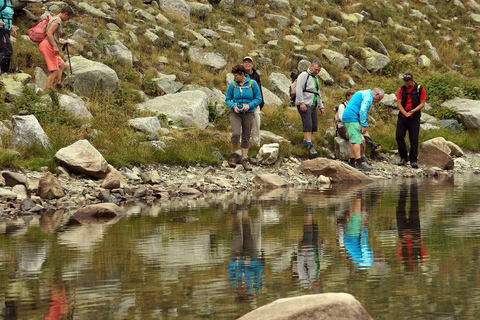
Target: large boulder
{"type": "Point", "coordinates": [468, 110]}
{"type": "Point", "coordinates": [49, 187]}
{"type": "Point", "coordinates": [210, 59]}
{"type": "Point", "coordinates": [14, 178]}
{"type": "Point", "coordinates": [82, 158]}
{"type": "Point", "coordinates": [325, 306]}
{"type": "Point", "coordinates": [20, 4]}
{"type": "Point", "coordinates": [270, 99]}
{"type": "Point", "coordinates": [432, 156]}
{"type": "Point", "coordinates": [74, 106]}
{"type": "Point", "coordinates": [190, 107]}
{"type": "Point", "coordinates": [88, 75]}
{"type": "Point", "coordinates": [280, 85]}
{"type": "Point", "coordinates": [200, 10]}
{"type": "Point", "coordinates": [337, 171]}
{"type": "Point", "coordinates": [179, 8]}
{"type": "Point", "coordinates": [13, 84]}
{"type": "Point", "coordinates": [27, 131]}
{"type": "Point", "coordinates": [114, 179]}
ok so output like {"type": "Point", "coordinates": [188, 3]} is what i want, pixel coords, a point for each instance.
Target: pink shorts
{"type": "Point", "coordinates": [52, 60]}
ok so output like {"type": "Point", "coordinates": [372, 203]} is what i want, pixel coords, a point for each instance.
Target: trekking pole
{"type": "Point", "coordinates": [68, 55]}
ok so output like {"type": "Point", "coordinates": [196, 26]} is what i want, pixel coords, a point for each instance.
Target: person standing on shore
{"type": "Point", "coordinates": [243, 96]}
{"type": "Point", "coordinates": [6, 48]}
{"type": "Point", "coordinates": [253, 74]}
{"type": "Point", "coordinates": [307, 100]}
{"type": "Point", "coordinates": [355, 121]}
{"type": "Point", "coordinates": [49, 47]}
{"type": "Point", "coordinates": [411, 99]}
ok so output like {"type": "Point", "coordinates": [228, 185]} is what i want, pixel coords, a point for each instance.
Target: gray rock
{"type": "Point", "coordinates": [269, 180]}
{"type": "Point", "coordinates": [374, 61]}
{"type": "Point", "coordinates": [49, 187]}
{"type": "Point", "coordinates": [325, 77]}
{"type": "Point", "coordinates": [200, 10]}
{"type": "Point", "coordinates": [120, 52]}
{"type": "Point", "coordinates": [14, 178]}
{"type": "Point", "coordinates": [376, 44]}
{"type": "Point", "coordinates": [21, 191]}
{"type": "Point", "coordinates": [40, 78]}
{"type": "Point", "coordinates": [7, 194]}
{"type": "Point", "coordinates": [358, 70]}
{"type": "Point", "coordinates": [326, 306]}
{"type": "Point", "coordinates": [27, 131]}
{"type": "Point", "coordinates": [267, 135]}
{"type": "Point", "coordinates": [335, 58]}
{"type": "Point", "coordinates": [189, 107]}
{"type": "Point", "coordinates": [468, 110]}
{"type": "Point", "coordinates": [431, 155]}
{"type": "Point", "coordinates": [281, 21]}
{"type": "Point", "coordinates": [209, 33]}
{"type": "Point", "coordinates": [424, 61]}
{"type": "Point", "coordinates": [453, 125]}
{"type": "Point", "coordinates": [337, 171]}
{"type": "Point", "coordinates": [81, 157]}
{"type": "Point", "coordinates": [294, 39]}
{"type": "Point", "coordinates": [88, 75]}
{"type": "Point", "coordinates": [279, 5]}
{"type": "Point", "coordinates": [209, 59]}
{"type": "Point", "coordinates": [175, 7]}
{"type": "Point", "coordinates": [14, 84]}
{"type": "Point", "coordinates": [74, 106]}
{"type": "Point", "coordinates": [95, 12]}
{"type": "Point", "coordinates": [144, 15]}
{"type": "Point", "coordinates": [146, 124]}
{"type": "Point", "coordinates": [455, 150]}
{"type": "Point", "coordinates": [406, 49]}
{"type": "Point", "coordinates": [342, 148]}
{"type": "Point", "coordinates": [270, 98]}
{"type": "Point", "coordinates": [280, 85]}
{"type": "Point", "coordinates": [166, 86]}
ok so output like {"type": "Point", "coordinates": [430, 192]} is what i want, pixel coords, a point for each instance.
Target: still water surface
{"type": "Point", "coordinates": [406, 249]}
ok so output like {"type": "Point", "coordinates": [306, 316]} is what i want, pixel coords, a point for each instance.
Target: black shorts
{"type": "Point", "coordinates": [309, 119]}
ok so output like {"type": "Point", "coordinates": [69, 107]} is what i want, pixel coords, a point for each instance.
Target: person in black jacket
{"type": "Point", "coordinates": [248, 65]}
{"type": "Point", "coordinates": [411, 99]}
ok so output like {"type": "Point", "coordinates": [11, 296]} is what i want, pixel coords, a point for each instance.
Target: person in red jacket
{"type": "Point", "coordinates": [411, 99]}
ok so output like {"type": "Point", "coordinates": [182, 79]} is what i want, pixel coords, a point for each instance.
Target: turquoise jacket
{"type": "Point", "coordinates": [6, 14]}
{"type": "Point", "coordinates": [249, 93]}
{"type": "Point", "coordinates": [358, 107]}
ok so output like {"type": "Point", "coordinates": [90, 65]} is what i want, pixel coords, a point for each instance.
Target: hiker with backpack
{"type": "Point", "coordinates": [307, 100]}
{"type": "Point", "coordinates": [355, 121]}
{"type": "Point", "coordinates": [49, 47]}
{"type": "Point", "coordinates": [253, 74]}
{"type": "Point", "coordinates": [243, 96]}
{"type": "Point", "coordinates": [411, 99]}
{"type": "Point", "coordinates": [6, 48]}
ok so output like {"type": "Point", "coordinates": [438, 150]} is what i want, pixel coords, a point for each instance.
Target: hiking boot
{"type": "Point", "coordinates": [312, 151]}
{"type": "Point", "coordinates": [58, 86]}
{"type": "Point", "coordinates": [233, 159]}
{"type": "Point", "coordinates": [245, 164]}
{"type": "Point", "coordinates": [363, 167]}
{"type": "Point", "coordinates": [351, 163]}
{"type": "Point", "coordinates": [402, 162]}
{"type": "Point", "coordinates": [414, 164]}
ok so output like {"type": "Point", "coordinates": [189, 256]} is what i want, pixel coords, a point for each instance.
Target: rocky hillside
{"type": "Point", "coordinates": [172, 58]}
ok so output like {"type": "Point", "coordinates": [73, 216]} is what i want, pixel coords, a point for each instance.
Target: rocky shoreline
{"type": "Point", "coordinates": [20, 194]}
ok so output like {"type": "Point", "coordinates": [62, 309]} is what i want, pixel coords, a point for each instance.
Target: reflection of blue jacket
{"type": "Point", "coordinates": [6, 14]}
{"type": "Point", "coordinates": [355, 240]}
{"type": "Point", "coordinates": [358, 107]}
{"type": "Point", "coordinates": [248, 93]}
{"type": "Point", "coordinates": [245, 274]}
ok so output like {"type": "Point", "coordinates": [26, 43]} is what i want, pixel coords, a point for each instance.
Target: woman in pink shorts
{"type": "Point", "coordinates": [49, 47]}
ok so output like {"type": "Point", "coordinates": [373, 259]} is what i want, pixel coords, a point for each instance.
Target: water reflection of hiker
{"type": "Point", "coordinates": [309, 255]}
{"type": "Point", "coordinates": [6, 49]}
{"type": "Point", "coordinates": [49, 47]}
{"type": "Point", "coordinates": [411, 250]}
{"type": "Point", "coordinates": [245, 269]}
{"type": "Point", "coordinates": [355, 233]}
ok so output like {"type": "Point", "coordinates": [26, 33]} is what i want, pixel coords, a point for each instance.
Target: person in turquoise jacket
{"type": "Point", "coordinates": [354, 119]}
{"type": "Point", "coordinates": [6, 49]}
{"type": "Point", "coordinates": [242, 97]}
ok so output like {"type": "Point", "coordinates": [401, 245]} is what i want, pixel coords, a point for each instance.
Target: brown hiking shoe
{"type": "Point", "coordinates": [245, 164]}
{"type": "Point", "coordinates": [233, 159]}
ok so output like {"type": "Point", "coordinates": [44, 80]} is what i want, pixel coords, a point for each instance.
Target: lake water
{"type": "Point", "coordinates": [406, 249]}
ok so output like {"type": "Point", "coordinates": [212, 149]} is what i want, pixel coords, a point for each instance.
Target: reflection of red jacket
{"type": "Point", "coordinates": [58, 305]}
{"type": "Point", "coordinates": [411, 247]}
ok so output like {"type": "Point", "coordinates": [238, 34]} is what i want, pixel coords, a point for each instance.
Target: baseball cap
{"type": "Point", "coordinates": [248, 58]}
{"type": "Point", "coordinates": [407, 76]}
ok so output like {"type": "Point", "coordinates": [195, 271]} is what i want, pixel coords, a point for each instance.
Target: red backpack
{"type": "Point", "coordinates": [38, 31]}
